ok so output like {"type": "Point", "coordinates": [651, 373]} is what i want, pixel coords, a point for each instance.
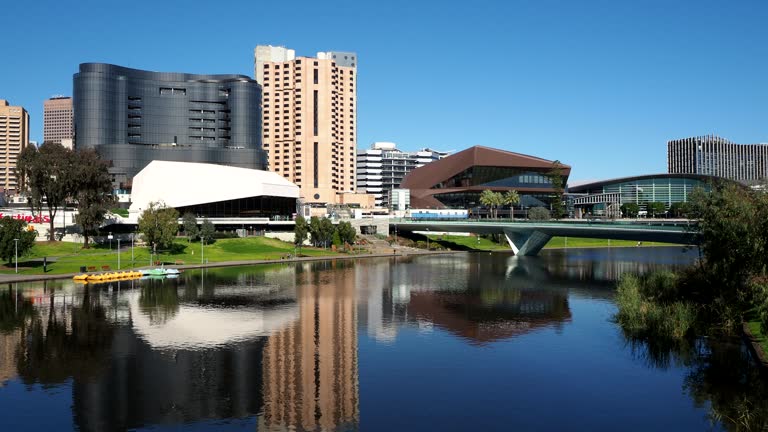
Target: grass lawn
{"type": "Point", "coordinates": [66, 257]}
{"type": "Point", "coordinates": [471, 242]}
{"type": "Point", "coordinates": [753, 323]}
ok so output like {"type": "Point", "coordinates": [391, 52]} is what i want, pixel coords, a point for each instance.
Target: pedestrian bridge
{"type": "Point", "coordinates": [526, 238]}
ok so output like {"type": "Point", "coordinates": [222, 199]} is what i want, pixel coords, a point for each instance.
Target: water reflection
{"type": "Point", "coordinates": [278, 346]}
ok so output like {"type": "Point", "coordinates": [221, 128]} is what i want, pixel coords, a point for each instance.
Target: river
{"type": "Point", "coordinates": [442, 342]}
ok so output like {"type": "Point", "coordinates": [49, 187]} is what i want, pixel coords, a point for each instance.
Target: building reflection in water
{"type": "Point", "coordinates": [274, 345]}
{"type": "Point", "coordinates": [310, 369]}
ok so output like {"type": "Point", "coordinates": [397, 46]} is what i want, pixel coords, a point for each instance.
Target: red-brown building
{"type": "Point", "coordinates": [457, 180]}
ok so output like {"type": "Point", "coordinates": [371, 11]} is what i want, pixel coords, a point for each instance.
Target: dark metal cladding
{"type": "Point", "coordinates": [133, 117]}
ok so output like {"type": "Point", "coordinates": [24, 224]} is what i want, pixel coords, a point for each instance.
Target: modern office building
{"type": "Point", "coordinates": [596, 197]}
{"type": "Point", "coordinates": [716, 156]}
{"type": "Point", "coordinates": [14, 136]}
{"type": "Point", "coordinates": [132, 117]}
{"type": "Point", "coordinates": [382, 167]}
{"type": "Point", "coordinates": [58, 121]}
{"type": "Point", "coordinates": [458, 180]}
{"type": "Point", "coordinates": [309, 117]}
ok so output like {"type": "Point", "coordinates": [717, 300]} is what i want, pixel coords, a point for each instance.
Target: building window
{"type": "Point", "coordinates": [315, 114]}
{"type": "Point", "coordinates": [316, 76]}
{"type": "Point", "coordinates": [316, 170]}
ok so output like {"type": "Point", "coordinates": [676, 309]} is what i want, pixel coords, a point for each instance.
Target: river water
{"type": "Point", "coordinates": [442, 342]}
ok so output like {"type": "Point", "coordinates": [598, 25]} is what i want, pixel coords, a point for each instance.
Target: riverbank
{"type": "Point", "coordinates": [11, 278]}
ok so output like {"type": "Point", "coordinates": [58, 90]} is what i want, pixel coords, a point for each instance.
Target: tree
{"type": "Point", "coordinates": [555, 176]}
{"type": "Point", "coordinates": [336, 240]}
{"type": "Point", "coordinates": [347, 233]}
{"type": "Point", "coordinates": [630, 210]}
{"type": "Point", "coordinates": [207, 230]}
{"type": "Point", "coordinates": [538, 214]}
{"type": "Point", "coordinates": [159, 225]}
{"type": "Point", "coordinates": [656, 208]}
{"type": "Point", "coordinates": [491, 200]}
{"type": "Point", "coordinates": [48, 177]}
{"type": "Point", "coordinates": [321, 230]}
{"type": "Point", "coordinates": [300, 231]}
{"type": "Point", "coordinates": [511, 197]}
{"type": "Point", "coordinates": [11, 229]}
{"type": "Point", "coordinates": [93, 191]}
{"type": "Point", "coordinates": [679, 209]}
{"type": "Point", "coordinates": [189, 221]}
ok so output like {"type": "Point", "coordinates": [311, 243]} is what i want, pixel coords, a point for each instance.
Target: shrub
{"type": "Point", "coordinates": [538, 213]}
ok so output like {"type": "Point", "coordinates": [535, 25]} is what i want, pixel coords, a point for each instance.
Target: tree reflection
{"type": "Point", "coordinates": [14, 310]}
{"type": "Point", "coordinates": [159, 300]}
{"type": "Point", "coordinates": [721, 372]}
{"type": "Point", "coordinates": [63, 345]}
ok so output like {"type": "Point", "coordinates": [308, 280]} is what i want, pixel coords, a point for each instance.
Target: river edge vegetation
{"type": "Point", "coordinates": [680, 316]}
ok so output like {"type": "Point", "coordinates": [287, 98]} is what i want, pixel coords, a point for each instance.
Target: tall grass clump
{"type": "Point", "coordinates": [647, 307]}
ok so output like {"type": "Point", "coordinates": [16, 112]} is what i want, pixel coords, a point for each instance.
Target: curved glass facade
{"type": "Point", "coordinates": [641, 191]}
{"type": "Point", "coordinates": [132, 117]}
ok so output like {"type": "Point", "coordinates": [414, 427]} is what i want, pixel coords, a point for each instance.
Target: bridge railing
{"type": "Point", "coordinates": [662, 224]}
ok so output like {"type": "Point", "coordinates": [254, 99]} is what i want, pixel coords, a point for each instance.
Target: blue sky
{"type": "Point", "coordinates": [599, 85]}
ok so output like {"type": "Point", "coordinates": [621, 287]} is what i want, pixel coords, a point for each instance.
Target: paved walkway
{"type": "Point", "coordinates": [7, 278]}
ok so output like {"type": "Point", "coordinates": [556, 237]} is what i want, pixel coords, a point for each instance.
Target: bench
{"type": "Point", "coordinates": [91, 268]}
{"type": "Point", "coordinates": [105, 267]}
{"type": "Point", "coordinates": [179, 262]}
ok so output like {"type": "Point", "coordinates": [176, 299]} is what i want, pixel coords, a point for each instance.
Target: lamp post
{"type": "Point", "coordinates": [118, 254]}
{"type": "Point", "coordinates": [110, 241]}
{"type": "Point", "coordinates": [427, 238]}
{"type": "Point", "coordinates": [132, 236]}
{"type": "Point", "coordinates": [202, 250]}
{"type": "Point", "coordinates": [16, 253]}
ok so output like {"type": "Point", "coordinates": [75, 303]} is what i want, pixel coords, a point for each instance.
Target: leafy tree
{"type": "Point", "coordinates": [11, 229]}
{"type": "Point", "coordinates": [347, 233]}
{"type": "Point", "coordinates": [538, 214]}
{"type": "Point", "coordinates": [630, 210]}
{"type": "Point", "coordinates": [656, 208]}
{"type": "Point", "coordinates": [189, 221]}
{"type": "Point", "coordinates": [679, 209]}
{"type": "Point", "coordinates": [93, 191]}
{"type": "Point", "coordinates": [47, 175]}
{"type": "Point", "coordinates": [300, 231]}
{"type": "Point", "coordinates": [207, 230]}
{"type": "Point", "coordinates": [511, 197]}
{"type": "Point", "coordinates": [491, 200]}
{"type": "Point", "coordinates": [336, 240]}
{"type": "Point", "coordinates": [321, 230]}
{"type": "Point", "coordinates": [159, 225]}
{"type": "Point", "coordinates": [557, 180]}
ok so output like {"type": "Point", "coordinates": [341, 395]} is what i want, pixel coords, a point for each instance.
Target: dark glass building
{"type": "Point", "coordinates": [132, 117]}
{"type": "Point", "coordinates": [458, 180]}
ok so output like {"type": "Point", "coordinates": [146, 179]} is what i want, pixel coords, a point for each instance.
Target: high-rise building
{"type": "Point", "coordinates": [382, 167]}
{"type": "Point", "coordinates": [58, 123]}
{"type": "Point", "coordinates": [309, 113]}
{"type": "Point", "coordinates": [716, 156]}
{"type": "Point", "coordinates": [133, 117]}
{"type": "Point", "coordinates": [14, 136]}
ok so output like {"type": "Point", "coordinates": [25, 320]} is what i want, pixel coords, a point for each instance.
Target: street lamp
{"type": "Point", "coordinates": [118, 254]}
{"type": "Point", "coordinates": [110, 241]}
{"type": "Point", "coordinates": [202, 250]}
{"type": "Point", "coordinates": [427, 238]}
{"type": "Point", "coordinates": [16, 253]}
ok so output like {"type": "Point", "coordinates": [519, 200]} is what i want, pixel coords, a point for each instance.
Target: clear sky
{"type": "Point", "coordinates": [599, 85]}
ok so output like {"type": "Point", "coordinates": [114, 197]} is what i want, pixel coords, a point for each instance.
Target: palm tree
{"type": "Point", "coordinates": [511, 197]}
{"type": "Point", "coordinates": [489, 199]}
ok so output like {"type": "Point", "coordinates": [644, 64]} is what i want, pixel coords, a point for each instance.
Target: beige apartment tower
{"type": "Point", "coordinates": [309, 113]}
{"type": "Point", "coordinates": [58, 121]}
{"type": "Point", "coordinates": [14, 136]}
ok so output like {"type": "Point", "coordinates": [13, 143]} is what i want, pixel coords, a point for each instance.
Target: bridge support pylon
{"type": "Point", "coordinates": [527, 243]}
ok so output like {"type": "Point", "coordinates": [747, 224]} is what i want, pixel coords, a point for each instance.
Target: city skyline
{"type": "Point", "coordinates": [594, 85]}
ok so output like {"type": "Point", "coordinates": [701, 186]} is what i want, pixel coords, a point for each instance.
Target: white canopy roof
{"type": "Point", "coordinates": [180, 184]}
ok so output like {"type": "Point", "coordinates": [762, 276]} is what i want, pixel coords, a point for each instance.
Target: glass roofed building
{"type": "Point", "coordinates": [596, 197]}
{"type": "Point", "coordinates": [456, 182]}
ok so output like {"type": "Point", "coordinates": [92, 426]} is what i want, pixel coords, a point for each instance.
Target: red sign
{"type": "Point", "coordinates": [29, 219]}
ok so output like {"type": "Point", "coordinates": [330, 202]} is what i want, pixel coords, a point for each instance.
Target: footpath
{"type": "Point", "coordinates": [395, 252]}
